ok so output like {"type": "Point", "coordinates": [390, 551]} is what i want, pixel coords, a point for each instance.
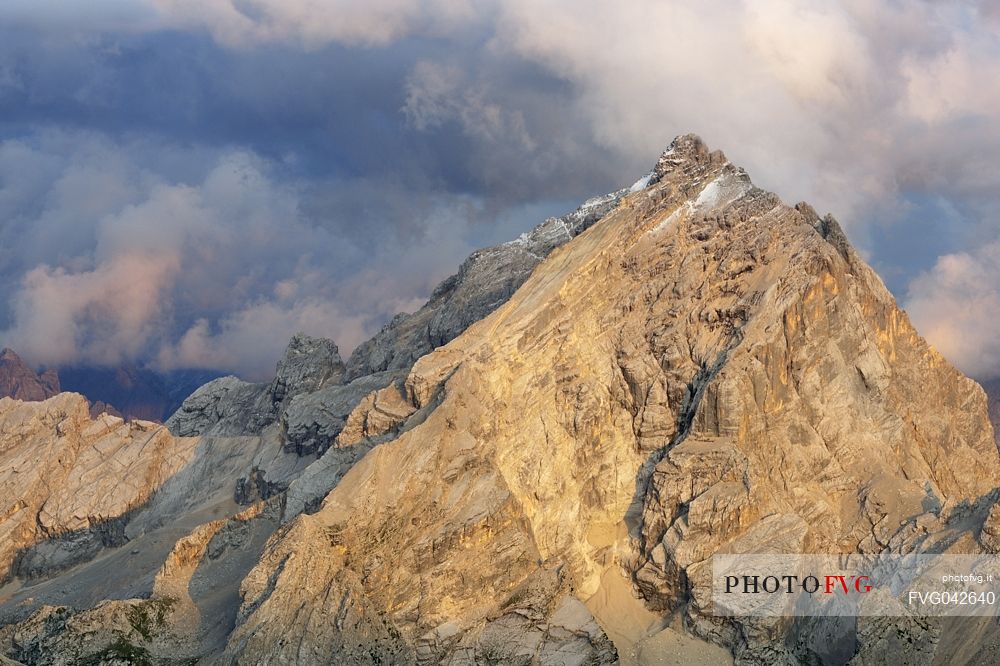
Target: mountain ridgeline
{"type": "Point", "coordinates": [536, 467]}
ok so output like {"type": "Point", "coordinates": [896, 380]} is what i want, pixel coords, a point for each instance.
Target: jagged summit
{"type": "Point", "coordinates": [685, 148]}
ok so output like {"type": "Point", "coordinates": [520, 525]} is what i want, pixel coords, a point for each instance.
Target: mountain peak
{"type": "Point", "coordinates": [684, 151]}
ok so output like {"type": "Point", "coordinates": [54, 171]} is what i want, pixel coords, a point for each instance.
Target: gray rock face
{"type": "Point", "coordinates": [312, 420]}
{"type": "Point", "coordinates": [308, 365]}
{"type": "Point", "coordinates": [229, 406]}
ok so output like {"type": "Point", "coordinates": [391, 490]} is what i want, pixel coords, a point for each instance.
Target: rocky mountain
{"type": "Point", "coordinates": [19, 381]}
{"type": "Point", "coordinates": [534, 468]}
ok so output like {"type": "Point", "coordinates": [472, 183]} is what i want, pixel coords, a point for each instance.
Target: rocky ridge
{"type": "Point", "coordinates": [703, 369]}
{"type": "Point", "coordinates": [69, 482]}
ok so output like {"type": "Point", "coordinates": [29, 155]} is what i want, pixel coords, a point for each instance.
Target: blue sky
{"type": "Point", "coordinates": [187, 183]}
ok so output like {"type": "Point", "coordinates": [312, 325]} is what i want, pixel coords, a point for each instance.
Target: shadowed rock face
{"type": "Point", "coordinates": [702, 369]}
{"type": "Point", "coordinates": [231, 406]}
{"type": "Point", "coordinates": [20, 382]}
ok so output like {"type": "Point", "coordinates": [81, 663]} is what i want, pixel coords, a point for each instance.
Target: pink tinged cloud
{"type": "Point", "coordinates": [179, 245]}
{"type": "Point", "coordinates": [215, 273]}
{"type": "Point", "coordinates": [106, 314]}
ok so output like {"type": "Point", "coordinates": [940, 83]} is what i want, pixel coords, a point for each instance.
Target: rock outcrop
{"type": "Point", "coordinates": [229, 406]}
{"type": "Point", "coordinates": [484, 282]}
{"type": "Point", "coordinates": [992, 389]}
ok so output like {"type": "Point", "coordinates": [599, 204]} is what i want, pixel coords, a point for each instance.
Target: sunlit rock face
{"type": "Point", "coordinates": [68, 482]}
{"type": "Point", "coordinates": [538, 466]}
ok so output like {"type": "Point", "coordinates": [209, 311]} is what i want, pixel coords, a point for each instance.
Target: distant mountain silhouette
{"type": "Point", "coordinates": [130, 391]}
{"type": "Point", "coordinates": [19, 381]}
{"type": "Point", "coordinates": [137, 393]}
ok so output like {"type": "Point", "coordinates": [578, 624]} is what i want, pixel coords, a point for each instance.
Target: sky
{"type": "Point", "coordinates": [186, 183]}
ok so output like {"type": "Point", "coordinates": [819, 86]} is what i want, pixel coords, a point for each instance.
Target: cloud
{"type": "Point", "coordinates": [105, 314]}
{"type": "Point", "coordinates": [80, 15]}
{"type": "Point", "coordinates": [353, 152]}
{"type": "Point", "coordinates": [124, 263]}
{"type": "Point", "coordinates": [249, 338]}
{"type": "Point", "coordinates": [794, 91]}
{"type": "Point", "coordinates": [314, 23]}
{"type": "Point", "coordinates": [956, 305]}
{"type": "Point", "coordinates": [437, 94]}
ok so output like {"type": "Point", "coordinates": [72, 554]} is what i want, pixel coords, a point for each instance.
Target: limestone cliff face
{"type": "Point", "coordinates": [705, 367]}
{"type": "Point", "coordinates": [691, 366]}
{"type": "Point", "coordinates": [68, 483]}
{"type": "Point", "coordinates": [992, 389]}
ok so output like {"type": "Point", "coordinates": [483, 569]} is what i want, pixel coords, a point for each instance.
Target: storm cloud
{"type": "Point", "coordinates": [188, 183]}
